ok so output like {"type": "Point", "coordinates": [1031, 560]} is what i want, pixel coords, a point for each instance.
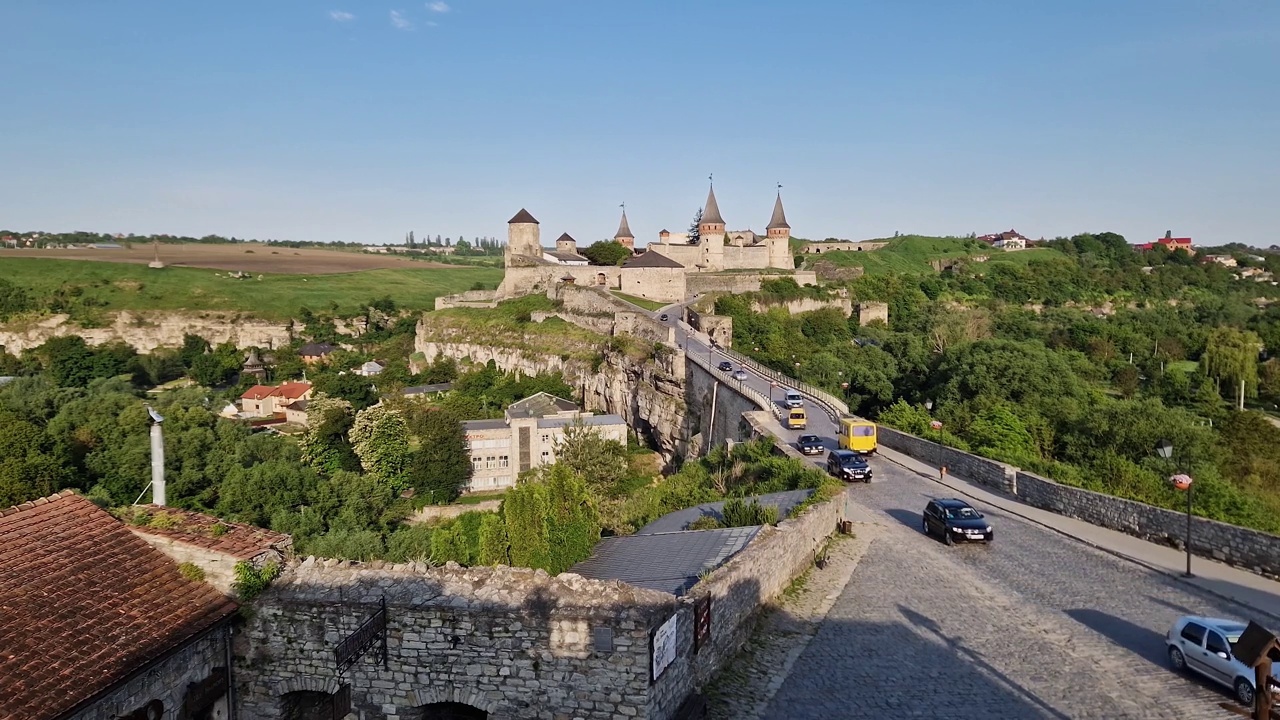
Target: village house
{"type": "Point", "coordinates": [1009, 240]}
{"type": "Point", "coordinates": [427, 391]}
{"type": "Point", "coordinates": [215, 546]}
{"type": "Point", "coordinates": [296, 412]}
{"type": "Point", "coordinates": [99, 625]}
{"type": "Point", "coordinates": [527, 437]}
{"type": "Point", "coordinates": [312, 353]}
{"type": "Point", "coordinates": [1170, 242]}
{"type": "Point", "coordinates": [268, 400]}
{"type": "Point", "coordinates": [1223, 260]}
{"type": "Point", "coordinates": [371, 368]}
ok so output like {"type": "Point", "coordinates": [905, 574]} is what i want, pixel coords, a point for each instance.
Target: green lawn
{"type": "Point", "coordinates": [911, 254]}
{"type": "Point", "coordinates": [639, 301]}
{"type": "Point", "coordinates": [101, 287]}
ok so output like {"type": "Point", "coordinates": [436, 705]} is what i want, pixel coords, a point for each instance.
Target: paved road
{"type": "Point", "coordinates": [1036, 626]}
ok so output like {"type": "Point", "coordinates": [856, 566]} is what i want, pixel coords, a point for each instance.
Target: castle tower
{"type": "Point", "coordinates": [779, 237]}
{"type": "Point", "coordinates": [566, 244]}
{"type": "Point", "coordinates": [711, 233]}
{"type": "Point", "coordinates": [624, 237]}
{"type": "Point", "coordinates": [523, 235]}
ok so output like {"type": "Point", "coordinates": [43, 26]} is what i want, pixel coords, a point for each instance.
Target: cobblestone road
{"type": "Point", "coordinates": [1035, 626]}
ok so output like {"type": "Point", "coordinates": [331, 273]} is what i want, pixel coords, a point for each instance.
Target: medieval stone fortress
{"type": "Point", "coordinates": [669, 270]}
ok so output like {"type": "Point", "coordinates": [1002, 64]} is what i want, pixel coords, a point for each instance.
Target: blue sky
{"type": "Point", "coordinates": [360, 120]}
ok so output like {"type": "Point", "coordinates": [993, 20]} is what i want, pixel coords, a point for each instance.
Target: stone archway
{"type": "Point", "coordinates": [306, 705]}
{"type": "Point", "coordinates": [446, 711]}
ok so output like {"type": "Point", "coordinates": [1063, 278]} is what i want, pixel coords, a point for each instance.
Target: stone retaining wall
{"type": "Point", "coordinates": [1251, 550]}
{"type": "Point", "coordinates": [444, 512]}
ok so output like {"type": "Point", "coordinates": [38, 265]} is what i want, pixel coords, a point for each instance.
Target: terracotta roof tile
{"type": "Point", "coordinates": [236, 539]}
{"type": "Point", "coordinates": [83, 603]}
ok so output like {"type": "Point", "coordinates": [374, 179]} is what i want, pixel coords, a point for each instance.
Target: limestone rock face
{"type": "Point", "coordinates": [147, 331]}
{"type": "Point", "coordinates": [649, 395]}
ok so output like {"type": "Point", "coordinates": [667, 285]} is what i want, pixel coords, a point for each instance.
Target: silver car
{"type": "Point", "coordinates": [1205, 646]}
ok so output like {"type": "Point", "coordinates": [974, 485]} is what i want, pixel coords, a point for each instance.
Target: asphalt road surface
{"type": "Point", "coordinates": [1037, 625]}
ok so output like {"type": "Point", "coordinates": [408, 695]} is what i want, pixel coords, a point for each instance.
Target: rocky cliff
{"type": "Point", "coordinates": [148, 331]}
{"type": "Point", "coordinates": [649, 395]}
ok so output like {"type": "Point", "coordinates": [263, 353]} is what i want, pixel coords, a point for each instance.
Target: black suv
{"type": "Point", "coordinates": [849, 466]}
{"type": "Point", "coordinates": [810, 445]}
{"type": "Point", "coordinates": [726, 366]}
{"type": "Point", "coordinates": [953, 520]}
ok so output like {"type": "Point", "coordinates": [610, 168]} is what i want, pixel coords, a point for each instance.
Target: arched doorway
{"type": "Point", "coordinates": [447, 711]}
{"type": "Point", "coordinates": [310, 705]}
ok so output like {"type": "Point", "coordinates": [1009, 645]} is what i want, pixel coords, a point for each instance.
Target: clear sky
{"type": "Point", "coordinates": [359, 121]}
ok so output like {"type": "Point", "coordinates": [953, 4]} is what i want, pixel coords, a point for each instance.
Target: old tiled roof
{"type": "Point", "coordinates": [522, 217]}
{"type": "Point", "coordinates": [566, 237]}
{"type": "Point", "coordinates": [236, 539]}
{"type": "Point", "coordinates": [651, 259]}
{"type": "Point", "coordinates": [624, 230]}
{"type": "Point", "coordinates": [711, 213]}
{"type": "Point", "coordinates": [293, 390]}
{"type": "Point", "coordinates": [84, 603]}
{"type": "Point", "coordinates": [316, 349]}
{"type": "Point", "coordinates": [779, 218]}
{"type": "Point", "coordinates": [257, 392]}
{"type": "Point", "coordinates": [565, 256]}
{"type": "Point", "coordinates": [540, 405]}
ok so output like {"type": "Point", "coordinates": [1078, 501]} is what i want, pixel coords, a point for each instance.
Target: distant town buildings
{"type": "Point", "coordinates": [1008, 240]}
{"type": "Point", "coordinates": [527, 437]}
{"type": "Point", "coordinates": [262, 401]}
{"type": "Point", "coordinates": [1170, 242]}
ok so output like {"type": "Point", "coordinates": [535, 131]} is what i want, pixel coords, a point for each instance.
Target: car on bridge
{"type": "Point", "coordinates": [725, 366]}
{"type": "Point", "coordinates": [810, 445]}
{"type": "Point", "coordinates": [1205, 646]}
{"type": "Point", "coordinates": [953, 519]}
{"type": "Point", "coordinates": [793, 399]}
{"type": "Point", "coordinates": [740, 374]}
{"type": "Point", "coordinates": [848, 466]}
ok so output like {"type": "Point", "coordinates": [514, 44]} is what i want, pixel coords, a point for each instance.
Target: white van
{"type": "Point", "coordinates": [793, 399]}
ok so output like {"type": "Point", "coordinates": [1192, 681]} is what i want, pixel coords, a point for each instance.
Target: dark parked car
{"type": "Point", "coordinates": [953, 519]}
{"type": "Point", "coordinates": [849, 466]}
{"type": "Point", "coordinates": [663, 317]}
{"type": "Point", "coordinates": [810, 445]}
{"type": "Point", "coordinates": [725, 366]}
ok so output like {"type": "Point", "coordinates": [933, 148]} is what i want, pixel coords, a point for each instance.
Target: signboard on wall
{"type": "Point", "coordinates": [662, 648]}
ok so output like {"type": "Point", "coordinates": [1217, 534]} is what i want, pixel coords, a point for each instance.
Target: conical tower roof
{"type": "Point", "coordinates": [522, 217]}
{"type": "Point", "coordinates": [779, 218]}
{"type": "Point", "coordinates": [711, 213]}
{"type": "Point", "coordinates": [624, 230]}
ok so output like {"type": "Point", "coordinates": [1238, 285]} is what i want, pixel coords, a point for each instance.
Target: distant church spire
{"type": "Point", "coordinates": [624, 230]}
{"type": "Point", "coordinates": [711, 213]}
{"type": "Point", "coordinates": [779, 219]}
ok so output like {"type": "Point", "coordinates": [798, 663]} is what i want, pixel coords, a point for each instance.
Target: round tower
{"type": "Point", "coordinates": [624, 237]}
{"type": "Point", "coordinates": [523, 235]}
{"type": "Point", "coordinates": [779, 237]}
{"type": "Point", "coordinates": [712, 224]}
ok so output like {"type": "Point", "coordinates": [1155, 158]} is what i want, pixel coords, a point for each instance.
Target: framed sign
{"type": "Point", "coordinates": [662, 648]}
{"type": "Point", "coordinates": [701, 623]}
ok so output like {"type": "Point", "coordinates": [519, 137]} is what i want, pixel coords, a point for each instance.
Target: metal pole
{"type": "Point", "coordinates": [1190, 489]}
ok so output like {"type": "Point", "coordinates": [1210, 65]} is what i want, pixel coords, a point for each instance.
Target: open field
{"type": "Point", "coordinates": [95, 288]}
{"type": "Point", "coordinates": [244, 257]}
{"type": "Point", "coordinates": [912, 253]}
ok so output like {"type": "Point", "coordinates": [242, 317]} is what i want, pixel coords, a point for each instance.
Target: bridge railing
{"type": "Point", "coordinates": [738, 386]}
{"type": "Point", "coordinates": [829, 403]}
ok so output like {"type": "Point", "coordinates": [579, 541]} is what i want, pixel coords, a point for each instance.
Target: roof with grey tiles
{"type": "Point", "coordinates": [667, 562]}
{"type": "Point", "coordinates": [588, 421]}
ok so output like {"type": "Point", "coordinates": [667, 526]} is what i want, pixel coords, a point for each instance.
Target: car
{"type": "Point", "coordinates": [810, 445]}
{"type": "Point", "coordinates": [740, 374]}
{"type": "Point", "coordinates": [849, 466]}
{"type": "Point", "coordinates": [793, 399]}
{"type": "Point", "coordinates": [1205, 645]}
{"type": "Point", "coordinates": [662, 317]}
{"type": "Point", "coordinates": [725, 366]}
{"type": "Point", "coordinates": [953, 519]}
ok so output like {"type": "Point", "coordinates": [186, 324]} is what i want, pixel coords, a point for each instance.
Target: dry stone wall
{"type": "Point", "coordinates": [802, 305]}
{"type": "Point", "coordinates": [1253, 550]}
{"type": "Point", "coordinates": [168, 681]}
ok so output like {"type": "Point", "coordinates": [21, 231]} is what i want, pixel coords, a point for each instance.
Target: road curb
{"type": "Point", "coordinates": [1085, 541]}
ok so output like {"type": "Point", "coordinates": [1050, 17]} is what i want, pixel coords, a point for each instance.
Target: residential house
{"type": "Point", "coordinates": [296, 412]}
{"type": "Point", "coordinates": [312, 353]}
{"type": "Point", "coordinates": [1170, 242]}
{"type": "Point", "coordinates": [527, 437]}
{"type": "Point", "coordinates": [371, 368]}
{"type": "Point", "coordinates": [427, 391]}
{"type": "Point", "coordinates": [99, 625]}
{"type": "Point", "coordinates": [1223, 260]}
{"type": "Point", "coordinates": [1010, 240]}
{"type": "Point", "coordinates": [268, 400]}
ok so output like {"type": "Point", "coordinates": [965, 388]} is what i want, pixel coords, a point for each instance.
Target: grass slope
{"type": "Point", "coordinates": [118, 286]}
{"type": "Point", "coordinates": [912, 253]}
{"type": "Point", "coordinates": [639, 301]}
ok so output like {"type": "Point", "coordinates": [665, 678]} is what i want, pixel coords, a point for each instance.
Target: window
{"type": "Point", "coordinates": [504, 461]}
{"type": "Point", "coordinates": [546, 438]}
{"type": "Point", "coordinates": [1193, 632]}
{"type": "Point", "coordinates": [1217, 644]}
{"type": "Point", "coordinates": [863, 431]}
{"type": "Point", "coordinates": [490, 462]}
{"type": "Point", "coordinates": [477, 463]}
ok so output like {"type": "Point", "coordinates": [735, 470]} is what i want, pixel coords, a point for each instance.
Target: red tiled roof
{"type": "Point", "coordinates": [293, 390]}
{"type": "Point", "coordinates": [238, 540]}
{"type": "Point", "coordinates": [1174, 241]}
{"type": "Point", "coordinates": [257, 392]}
{"type": "Point", "coordinates": [84, 603]}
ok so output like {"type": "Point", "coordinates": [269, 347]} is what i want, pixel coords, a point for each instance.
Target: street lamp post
{"type": "Point", "coordinates": [1181, 482]}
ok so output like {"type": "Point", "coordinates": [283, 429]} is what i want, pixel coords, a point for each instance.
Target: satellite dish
{"type": "Point", "coordinates": [155, 415]}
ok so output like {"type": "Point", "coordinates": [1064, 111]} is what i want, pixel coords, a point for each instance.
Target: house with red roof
{"type": "Point", "coordinates": [269, 400]}
{"type": "Point", "coordinates": [96, 623]}
{"type": "Point", "coordinates": [1009, 240]}
{"type": "Point", "coordinates": [214, 545]}
{"type": "Point", "coordinates": [1170, 242]}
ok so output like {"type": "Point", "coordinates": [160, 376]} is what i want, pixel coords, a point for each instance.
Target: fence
{"type": "Point", "coordinates": [736, 385]}
{"type": "Point", "coordinates": [829, 403]}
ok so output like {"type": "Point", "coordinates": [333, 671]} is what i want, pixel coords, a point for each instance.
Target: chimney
{"type": "Point", "coordinates": [157, 465]}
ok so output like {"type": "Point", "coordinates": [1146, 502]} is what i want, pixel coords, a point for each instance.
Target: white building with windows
{"type": "Point", "coordinates": [527, 438]}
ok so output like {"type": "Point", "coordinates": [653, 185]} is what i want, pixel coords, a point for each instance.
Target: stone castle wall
{"type": "Point", "coordinates": [817, 248]}
{"type": "Point", "coordinates": [642, 326]}
{"type": "Point", "coordinates": [536, 278]}
{"type": "Point", "coordinates": [718, 327]}
{"type": "Point", "coordinates": [803, 305]}
{"type": "Point", "coordinates": [219, 568]}
{"type": "Point", "coordinates": [469, 298]}
{"type": "Point", "coordinates": [1253, 550]}
{"type": "Point", "coordinates": [147, 331]}
{"type": "Point", "coordinates": [659, 284]}
{"type": "Point", "coordinates": [869, 312]}
{"type": "Point", "coordinates": [168, 680]}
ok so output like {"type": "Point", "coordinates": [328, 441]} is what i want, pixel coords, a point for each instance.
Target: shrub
{"type": "Point", "coordinates": [251, 581]}
{"type": "Point", "coordinates": [739, 513]}
{"type": "Point", "coordinates": [164, 521]}
{"type": "Point", "coordinates": [191, 571]}
{"type": "Point", "coordinates": [706, 522]}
